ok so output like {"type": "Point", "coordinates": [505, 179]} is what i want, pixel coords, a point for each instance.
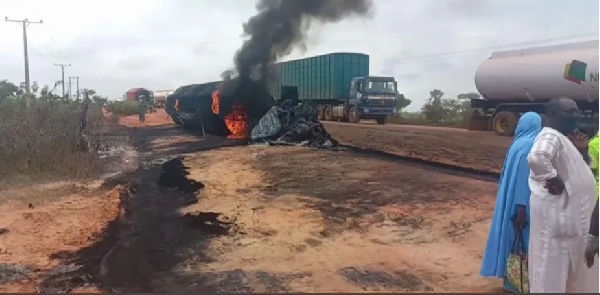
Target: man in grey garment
{"type": "Point", "coordinates": [142, 111]}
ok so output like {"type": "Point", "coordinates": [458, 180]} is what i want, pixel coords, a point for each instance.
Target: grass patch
{"type": "Point", "coordinates": [41, 139]}
{"type": "Point", "coordinates": [125, 108]}
{"type": "Point", "coordinates": [418, 119]}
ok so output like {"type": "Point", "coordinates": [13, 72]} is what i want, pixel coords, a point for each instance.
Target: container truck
{"type": "Point", "coordinates": [339, 86]}
{"type": "Point", "coordinates": [136, 94]}
{"type": "Point", "coordinates": [517, 81]}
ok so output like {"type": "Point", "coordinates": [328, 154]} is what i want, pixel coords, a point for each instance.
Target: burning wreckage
{"type": "Point", "coordinates": [244, 109]}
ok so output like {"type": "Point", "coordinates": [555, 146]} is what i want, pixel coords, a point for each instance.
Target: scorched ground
{"type": "Point", "coordinates": [279, 219]}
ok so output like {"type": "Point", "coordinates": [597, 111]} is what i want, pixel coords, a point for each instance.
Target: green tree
{"type": "Point", "coordinates": [9, 90]}
{"type": "Point", "coordinates": [434, 110]}
{"type": "Point", "coordinates": [469, 96]}
{"type": "Point", "coordinates": [402, 102]}
{"type": "Point", "coordinates": [99, 100]}
{"type": "Point", "coordinates": [35, 87]}
{"type": "Point", "coordinates": [88, 92]}
{"type": "Point", "coordinates": [47, 94]}
{"type": "Point", "coordinates": [45, 91]}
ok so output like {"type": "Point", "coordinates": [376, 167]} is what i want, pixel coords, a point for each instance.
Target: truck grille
{"type": "Point", "coordinates": [382, 102]}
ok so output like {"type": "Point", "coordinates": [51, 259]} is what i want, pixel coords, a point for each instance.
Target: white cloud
{"type": "Point", "coordinates": [160, 44]}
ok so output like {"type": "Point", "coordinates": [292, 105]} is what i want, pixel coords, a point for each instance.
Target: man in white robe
{"type": "Point", "coordinates": [563, 195]}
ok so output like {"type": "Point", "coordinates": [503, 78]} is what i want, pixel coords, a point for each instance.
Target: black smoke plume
{"type": "Point", "coordinates": [277, 28]}
{"type": "Point", "coordinates": [280, 25]}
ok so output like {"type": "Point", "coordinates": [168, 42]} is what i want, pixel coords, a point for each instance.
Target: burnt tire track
{"type": "Point", "coordinates": [484, 175]}
{"type": "Point", "coordinates": [150, 236]}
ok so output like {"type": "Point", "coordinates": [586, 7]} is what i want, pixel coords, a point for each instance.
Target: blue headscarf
{"type": "Point", "coordinates": [513, 189]}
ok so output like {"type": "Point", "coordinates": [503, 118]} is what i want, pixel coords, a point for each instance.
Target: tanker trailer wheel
{"type": "Point", "coordinates": [381, 121]}
{"type": "Point", "coordinates": [353, 115]}
{"type": "Point", "coordinates": [320, 112]}
{"type": "Point", "coordinates": [328, 113]}
{"type": "Point", "coordinates": [504, 123]}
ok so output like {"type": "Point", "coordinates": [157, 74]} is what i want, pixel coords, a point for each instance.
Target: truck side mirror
{"type": "Point", "coordinates": [358, 86]}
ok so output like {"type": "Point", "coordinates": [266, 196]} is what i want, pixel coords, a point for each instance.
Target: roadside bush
{"type": "Point", "coordinates": [41, 139]}
{"type": "Point", "coordinates": [125, 108]}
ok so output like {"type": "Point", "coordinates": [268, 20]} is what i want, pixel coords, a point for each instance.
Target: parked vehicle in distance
{"type": "Point", "coordinates": [514, 82]}
{"type": "Point", "coordinates": [160, 97]}
{"type": "Point", "coordinates": [339, 85]}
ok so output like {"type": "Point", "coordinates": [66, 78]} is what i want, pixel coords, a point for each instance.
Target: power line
{"type": "Point", "coordinates": [469, 52]}
{"type": "Point", "coordinates": [49, 28]}
{"type": "Point", "coordinates": [24, 23]}
{"type": "Point", "coordinates": [45, 54]}
{"type": "Point", "coordinates": [62, 66]}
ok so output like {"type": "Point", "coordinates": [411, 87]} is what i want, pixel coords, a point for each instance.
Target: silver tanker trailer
{"type": "Point", "coordinates": [517, 81]}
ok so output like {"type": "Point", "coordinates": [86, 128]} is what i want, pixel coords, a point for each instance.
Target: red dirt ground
{"type": "Point", "coordinates": [152, 119]}
{"type": "Point", "coordinates": [461, 147]}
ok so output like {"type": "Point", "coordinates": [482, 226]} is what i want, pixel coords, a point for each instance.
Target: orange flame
{"type": "Point", "coordinates": [215, 102]}
{"type": "Point", "coordinates": [236, 121]}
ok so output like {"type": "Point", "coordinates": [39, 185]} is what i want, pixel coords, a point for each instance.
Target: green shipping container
{"type": "Point", "coordinates": [323, 77]}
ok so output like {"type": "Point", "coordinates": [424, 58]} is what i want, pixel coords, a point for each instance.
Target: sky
{"type": "Point", "coordinates": [114, 46]}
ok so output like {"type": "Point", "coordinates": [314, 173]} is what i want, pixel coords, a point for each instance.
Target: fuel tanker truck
{"type": "Point", "coordinates": [518, 81]}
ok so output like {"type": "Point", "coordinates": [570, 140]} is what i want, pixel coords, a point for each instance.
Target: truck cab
{"type": "Point", "coordinates": [373, 97]}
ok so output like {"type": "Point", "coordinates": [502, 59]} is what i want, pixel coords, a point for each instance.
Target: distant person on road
{"type": "Point", "coordinates": [142, 111]}
{"type": "Point", "coordinates": [512, 201]}
{"type": "Point", "coordinates": [563, 189]}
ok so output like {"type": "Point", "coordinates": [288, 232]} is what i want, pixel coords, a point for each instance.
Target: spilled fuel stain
{"type": "Point", "coordinates": [147, 240]}
{"type": "Point", "coordinates": [174, 175]}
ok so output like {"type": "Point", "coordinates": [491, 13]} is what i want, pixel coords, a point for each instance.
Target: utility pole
{"type": "Point", "coordinates": [62, 66]}
{"type": "Point", "coordinates": [24, 23]}
{"type": "Point", "coordinates": [70, 96]}
{"type": "Point", "coordinates": [77, 83]}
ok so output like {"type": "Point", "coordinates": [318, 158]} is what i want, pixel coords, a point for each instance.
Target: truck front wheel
{"type": "Point", "coordinates": [381, 121]}
{"type": "Point", "coordinates": [504, 123]}
{"type": "Point", "coordinates": [353, 116]}
{"type": "Point", "coordinates": [328, 113]}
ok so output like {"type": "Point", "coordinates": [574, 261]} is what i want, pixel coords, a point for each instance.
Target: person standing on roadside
{"type": "Point", "coordinates": [142, 110]}
{"type": "Point", "coordinates": [511, 213]}
{"type": "Point", "coordinates": [562, 192]}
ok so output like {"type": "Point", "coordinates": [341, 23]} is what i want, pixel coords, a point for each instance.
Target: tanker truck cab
{"type": "Point", "coordinates": [372, 98]}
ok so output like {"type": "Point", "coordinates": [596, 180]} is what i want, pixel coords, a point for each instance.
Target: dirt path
{"type": "Point", "coordinates": [473, 149]}
{"type": "Point", "coordinates": [158, 118]}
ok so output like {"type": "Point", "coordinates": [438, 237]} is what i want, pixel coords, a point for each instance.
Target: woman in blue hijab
{"type": "Point", "coordinates": [512, 201]}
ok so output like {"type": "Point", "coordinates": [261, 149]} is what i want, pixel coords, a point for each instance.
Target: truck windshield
{"type": "Point", "coordinates": [378, 86]}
